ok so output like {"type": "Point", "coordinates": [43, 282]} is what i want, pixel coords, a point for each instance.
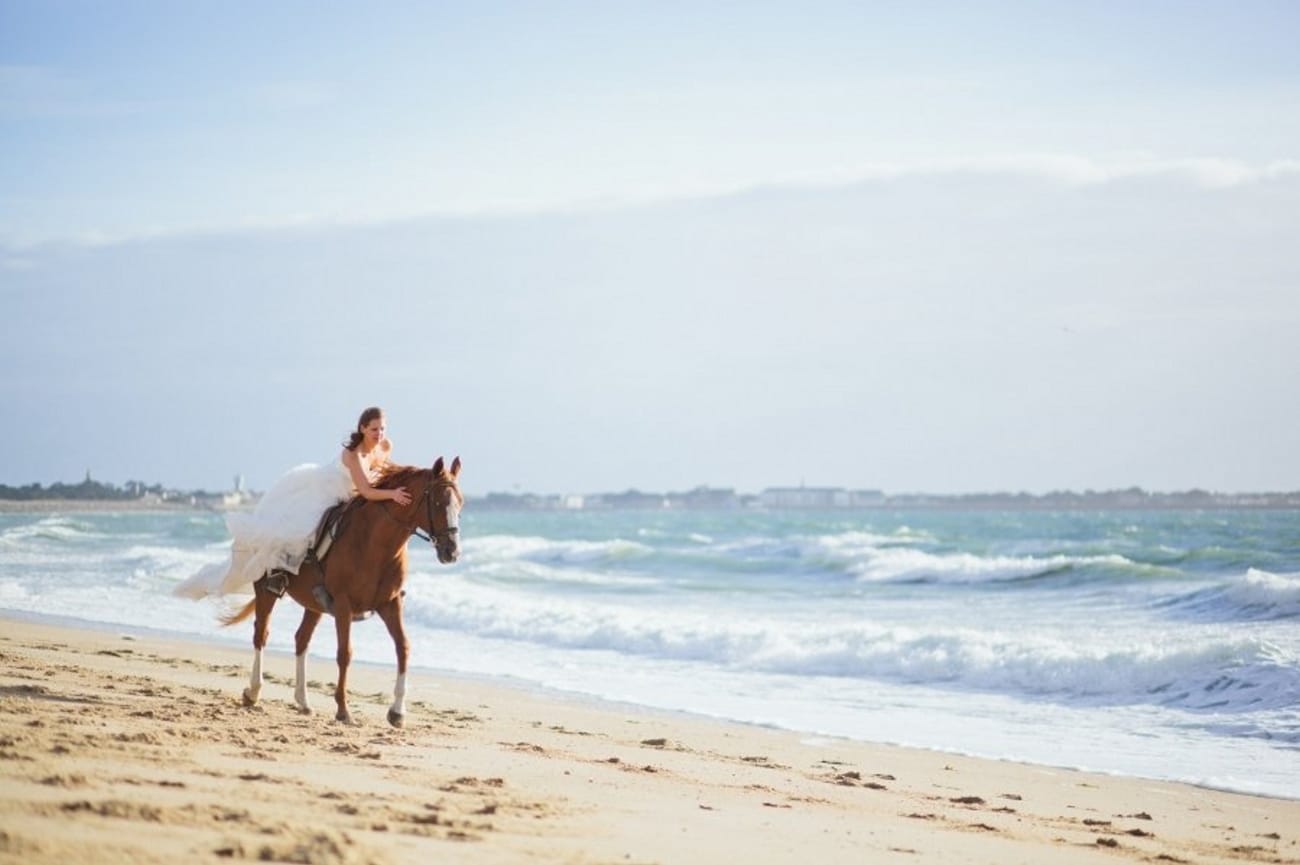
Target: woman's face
{"type": "Point", "coordinates": [374, 432]}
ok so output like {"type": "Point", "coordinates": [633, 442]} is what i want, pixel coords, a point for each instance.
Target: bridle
{"type": "Point", "coordinates": [443, 539]}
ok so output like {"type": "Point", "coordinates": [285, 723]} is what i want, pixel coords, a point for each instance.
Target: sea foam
{"type": "Point", "coordinates": [1212, 670]}
{"type": "Point", "coordinates": [1254, 596]}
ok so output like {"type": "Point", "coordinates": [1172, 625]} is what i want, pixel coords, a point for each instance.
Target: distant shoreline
{"type": "Point", "coordinates": [1288, 502]}
{"type": "Point", "coordinates": [43, 506]}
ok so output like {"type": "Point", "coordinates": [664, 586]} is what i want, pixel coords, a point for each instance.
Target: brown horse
{"type": "Point", "coordinates": [364, 571]}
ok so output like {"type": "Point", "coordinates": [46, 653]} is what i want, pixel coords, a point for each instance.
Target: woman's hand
{"type": "Point", "coordinates": [401, 496]}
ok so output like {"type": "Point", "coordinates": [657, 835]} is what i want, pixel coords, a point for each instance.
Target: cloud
{"type": "Point", "coordinates": [1033, 323]}
{"type": "Point", "coordinates": [1063, 170]}
{"type": "Point", "coordinates": [1071, 170]}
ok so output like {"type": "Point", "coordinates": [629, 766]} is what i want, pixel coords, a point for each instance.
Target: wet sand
{"type": "Point", "coordinates": [131, 748]}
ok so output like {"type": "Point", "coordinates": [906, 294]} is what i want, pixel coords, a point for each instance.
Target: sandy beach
{"type": "Point", "coordinates": [117, 747]}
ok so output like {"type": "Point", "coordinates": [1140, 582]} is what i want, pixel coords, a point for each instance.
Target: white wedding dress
{"type": "Point", "coordinates": [276, 533]}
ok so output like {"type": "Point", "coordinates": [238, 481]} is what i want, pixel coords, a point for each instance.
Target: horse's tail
{"type": "Point", "coordinates": [237, 616]}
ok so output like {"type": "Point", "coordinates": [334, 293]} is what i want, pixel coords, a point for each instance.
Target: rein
{"type": "Point", "coordinates": [434, 537]}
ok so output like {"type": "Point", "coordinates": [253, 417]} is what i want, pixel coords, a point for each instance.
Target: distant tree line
{"type": "Point", "coordinates": [838, 498]}
{"type": "Point", "coordinates": [87, 490]}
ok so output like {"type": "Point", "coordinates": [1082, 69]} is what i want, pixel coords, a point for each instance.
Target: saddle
{"type": "Point", "coordinates": [330, 527]}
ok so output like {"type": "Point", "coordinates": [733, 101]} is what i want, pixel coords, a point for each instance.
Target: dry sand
{"type": "Point", "coordinates": [120, 748]}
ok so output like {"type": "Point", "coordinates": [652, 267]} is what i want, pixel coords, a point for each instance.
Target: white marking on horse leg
{"type": "Point", "coordinates": [254, 689]}
{"type": "Point", "coordinates": [300, 685]}
{"type": "Point", "coordinates": [398, 709]}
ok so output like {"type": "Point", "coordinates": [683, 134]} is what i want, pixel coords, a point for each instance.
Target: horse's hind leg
{"type": "Point", "coordinates": [264, 602]}
{"type": "Point", "coordinates": [391, 613]}
{"type": "Point", "coordinates": [301, 639]}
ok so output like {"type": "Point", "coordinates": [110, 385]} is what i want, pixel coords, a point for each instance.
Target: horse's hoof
{"type": "Point", "coordinates": [304, 710]}
{"type": "Point", "coordinates": [345, 718]}
{"type": "Point", "coordinates": [250, 699]}
{"type": "Point", "coordinates": [395, 719]}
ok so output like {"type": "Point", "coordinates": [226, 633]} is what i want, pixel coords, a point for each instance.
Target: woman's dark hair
{"type": "Point", "coordinates": [358, 435]}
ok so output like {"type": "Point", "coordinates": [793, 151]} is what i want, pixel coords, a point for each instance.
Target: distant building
{"type": "Point", "coordinates": [705, 498]}
{"type": "Point", "coordinates": [804, 497]}
{"type": "Point", "coordinates": [517, 502]}
{"type": "Point", "coordinates": [866, 498]}
{"type": "Point", "coordinates": [820, 497]}
{"type": "Point", "coordinates": [630, 500]}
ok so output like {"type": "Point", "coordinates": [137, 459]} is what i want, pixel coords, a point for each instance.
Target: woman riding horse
{"type": "Point", "coordinates": [270, 549]}
{"type": "Point", "coordinates": [364, 571]}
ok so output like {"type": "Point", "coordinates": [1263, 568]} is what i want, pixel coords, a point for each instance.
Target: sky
{"type": "Point", "coordinates": [595, 246]}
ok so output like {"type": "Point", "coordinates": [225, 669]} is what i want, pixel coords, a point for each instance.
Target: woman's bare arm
{"type": "Point", "coordinates": [367, 490]}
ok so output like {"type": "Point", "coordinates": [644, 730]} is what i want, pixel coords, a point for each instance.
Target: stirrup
{"type": "Point", "coordinates": [326, 601]}
{"type": "Point", "coordinates": [276, 582]}
{"type": "Point", "coordinates": [323, 598]}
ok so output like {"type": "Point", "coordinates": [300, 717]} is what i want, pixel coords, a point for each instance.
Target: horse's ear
{"type": "Point", "coordinates": [437, 467]}
{"type": "Point", "coordinates": [455, 467]}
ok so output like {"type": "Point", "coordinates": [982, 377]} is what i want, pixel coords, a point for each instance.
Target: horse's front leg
{"type": "Point", "coordinates": [391, 613]}
{"type": "Point", "coordinates": [263, 603]}
{"type": "Point", "coordinates": [343, 627]}
{"type": "Point", "coordinates": [301, 640]}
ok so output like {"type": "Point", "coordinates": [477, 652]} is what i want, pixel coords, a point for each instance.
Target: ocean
{"type": "Point", "coordinates": [1160, 644]}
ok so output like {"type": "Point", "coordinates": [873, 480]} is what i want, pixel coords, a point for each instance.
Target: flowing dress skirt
{"type": "Point", "coordinates": [276, 533]}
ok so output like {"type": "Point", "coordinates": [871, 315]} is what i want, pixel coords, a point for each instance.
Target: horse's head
{"type": "Point", "coordinates": [444, 503]}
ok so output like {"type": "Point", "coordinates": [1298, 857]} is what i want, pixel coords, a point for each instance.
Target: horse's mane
{"type": "Point", "coordinates": [392, 476]}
